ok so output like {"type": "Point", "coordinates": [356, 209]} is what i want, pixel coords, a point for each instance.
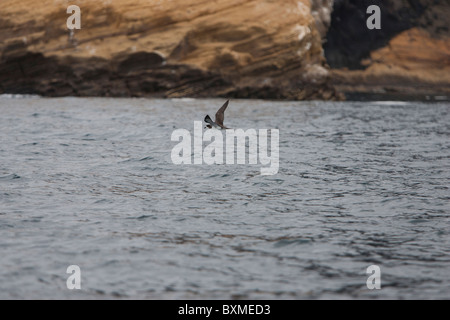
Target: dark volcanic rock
{"type": "Point", "coordinates": [349, 41]}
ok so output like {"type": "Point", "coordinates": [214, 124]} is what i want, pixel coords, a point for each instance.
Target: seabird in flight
{"type": "Point", "coordinates": [218, 123]}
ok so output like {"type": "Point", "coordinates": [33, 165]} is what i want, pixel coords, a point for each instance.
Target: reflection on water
{"type": "Point", "coordinates": [90, 182]}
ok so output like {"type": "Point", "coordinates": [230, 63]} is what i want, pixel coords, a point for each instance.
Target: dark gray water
{"type": "Point", "coordinates": [90, 182]}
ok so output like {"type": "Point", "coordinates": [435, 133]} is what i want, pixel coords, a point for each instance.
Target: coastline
{"type": "Point", "coordinates": [295, 51]}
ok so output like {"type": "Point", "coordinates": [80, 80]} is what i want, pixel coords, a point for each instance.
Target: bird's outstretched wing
{"type": "Point", "coordinates": [220, 114]}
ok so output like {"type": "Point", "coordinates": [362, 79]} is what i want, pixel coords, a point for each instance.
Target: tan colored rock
{"type": "Point", "coordinates": [413, 63]}
{"type": "Point", "coordinates": [172, 48]}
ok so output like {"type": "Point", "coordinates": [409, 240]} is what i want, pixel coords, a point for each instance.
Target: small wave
{"type": "Point", "coordinates": [183, 99]}
{"type": "Point", "coordinates": [146, 158]}
{"type": "Point", "coordinates": [392, 103]}
{"type": "Point", "coordinates": [9, 177]}
{"type": "Point", "coordinates": [287, 242]}
{"type": "Point", "coordinates": [18, 96]}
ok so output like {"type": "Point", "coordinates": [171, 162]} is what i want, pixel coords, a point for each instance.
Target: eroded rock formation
{"type": "Point", "coordinates": [408, 57]}
{"type": "Point", "coordinates": [229, 48]}
{"type": "Point", "coordinates": [171, 48]}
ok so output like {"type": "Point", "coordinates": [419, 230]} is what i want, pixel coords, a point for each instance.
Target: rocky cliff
{"type": "Point", "coordinates": [229, 48]}
{"type": "Point", "coordinates": [409, 57]}
{"type": "Point", "coordinates": [171, 48]}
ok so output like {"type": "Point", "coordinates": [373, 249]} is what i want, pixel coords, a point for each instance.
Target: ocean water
{"type": "Point", "coordinates": [90, 182]}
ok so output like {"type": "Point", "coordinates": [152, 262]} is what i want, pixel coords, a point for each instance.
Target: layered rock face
{"type": "Point", "coordinates": [171, 48]}
{"type": "Point", "coordinates": [408, 57]}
